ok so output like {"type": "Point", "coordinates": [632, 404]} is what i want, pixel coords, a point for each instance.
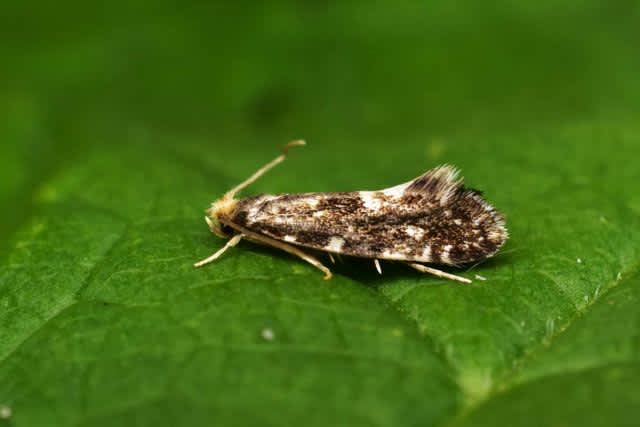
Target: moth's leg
{"type": "Point", "coordinates": [377, 264]}
{"type": "Point", "coordinates": [436, 272]}
{"type": "Point", "coordinates": [231, 243]}
{"type": "Point", "coordinates": [311, 260]}
{"type": "Point", "coordinates": [293, 251]}
{"type": "Point", "coordinates": [333, 261]}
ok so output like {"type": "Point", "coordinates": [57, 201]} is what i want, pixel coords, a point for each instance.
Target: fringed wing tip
{"type": "Point", "coordinates": [441, 179]}
{"type": "Point", "coordinates": [444, 186]}
{"type": "Point", "coordinates": [493, 220]}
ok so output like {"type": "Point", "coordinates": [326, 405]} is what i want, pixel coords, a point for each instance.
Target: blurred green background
{"type": "Point", "coordinates": [238, 76]}
{"type": "Point", "coordinates": [121, 122]}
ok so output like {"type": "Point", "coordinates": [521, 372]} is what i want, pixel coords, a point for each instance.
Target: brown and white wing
{"type": "Point", "coordinates": [432, 219]}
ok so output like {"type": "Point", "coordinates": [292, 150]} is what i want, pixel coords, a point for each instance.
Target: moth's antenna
{"type": "Point", "coordinates": [257, 174]}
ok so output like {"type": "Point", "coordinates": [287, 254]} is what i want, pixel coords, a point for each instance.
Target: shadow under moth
{"type": "Point", "coordinates": [432, 219]}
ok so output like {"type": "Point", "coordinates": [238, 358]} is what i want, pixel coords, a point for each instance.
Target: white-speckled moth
{"type": "Point", "coordinates": [431, 219]}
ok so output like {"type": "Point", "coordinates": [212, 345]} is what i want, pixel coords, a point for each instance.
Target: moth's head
{"type": "Point", "coordinates": [220, 212]}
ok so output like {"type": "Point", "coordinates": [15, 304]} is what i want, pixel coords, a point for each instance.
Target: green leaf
{"type": "Point", "coordinates": [122, 128]}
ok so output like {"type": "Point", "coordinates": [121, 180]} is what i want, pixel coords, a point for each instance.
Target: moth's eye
{"type": "Point", "coordinates": [226, 230]}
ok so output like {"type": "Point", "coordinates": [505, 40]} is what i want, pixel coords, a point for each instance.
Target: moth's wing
{"type": "Point", "coordinates": [316, 220]}
{"type": "Point", "coordinates": [462, 227]}
{"type": "Point", "coordinates": [432, 218]}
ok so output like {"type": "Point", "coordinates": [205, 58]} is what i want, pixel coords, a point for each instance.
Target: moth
{"type": "Point", "coordinates": [432, 219]}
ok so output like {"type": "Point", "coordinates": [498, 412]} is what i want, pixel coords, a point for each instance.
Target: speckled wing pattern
{"type": "Point", "coordinates": [431, 219]}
